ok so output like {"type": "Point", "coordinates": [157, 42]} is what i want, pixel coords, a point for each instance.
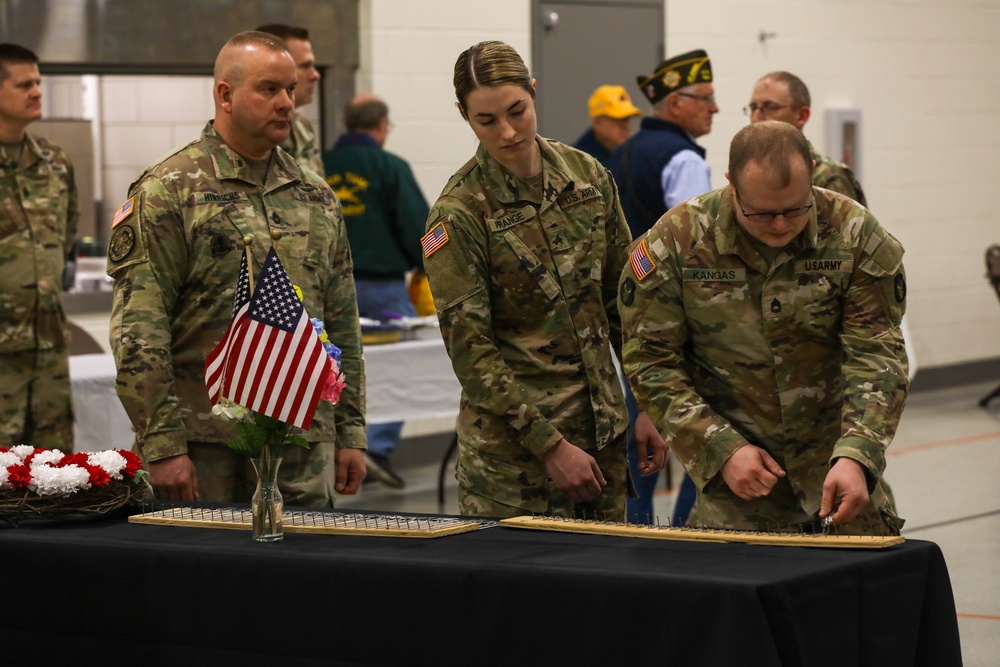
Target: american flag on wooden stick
{"type": "Point", "coordinates": [276, 364]}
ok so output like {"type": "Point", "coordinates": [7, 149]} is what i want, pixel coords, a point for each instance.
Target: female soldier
{"type": "Point", "coordinates": [523, 251]}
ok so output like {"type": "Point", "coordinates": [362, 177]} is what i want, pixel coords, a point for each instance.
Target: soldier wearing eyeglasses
{"type": "Point", "coordinates": [783, 96]}
{"type": "Point", "coordinates": [762, 336]}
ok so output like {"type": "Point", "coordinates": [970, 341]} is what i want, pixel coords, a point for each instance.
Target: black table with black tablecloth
{"type": "Point", "coordinates": [110, 592]}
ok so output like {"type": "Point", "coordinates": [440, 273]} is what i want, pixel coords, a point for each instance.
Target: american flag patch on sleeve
{"type": "Point", "coordinates": [641, 262]}
{"type": "Point", "coordinates": [434, 239]}
{"type": "Point", "coordinates": [123, 211]}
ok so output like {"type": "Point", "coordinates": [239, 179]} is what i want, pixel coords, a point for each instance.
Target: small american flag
{"type": "Point", "coordinates": [123, 211]}
{"type": "Point", "coordinates": [434, 239]}
{"type": "Point", "coordinates": [216, 360]}
{"type": "Point", "coordinates": [642, 263]}
{"type": "Point", "coordinates": [277, 365]}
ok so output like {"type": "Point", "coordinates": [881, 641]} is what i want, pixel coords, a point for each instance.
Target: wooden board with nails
{"type": "Point", "coordinates": [827, 540]}
{"type": "Point", "coordinates": [316, 523]}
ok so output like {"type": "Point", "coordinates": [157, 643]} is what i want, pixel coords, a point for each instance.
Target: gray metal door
{"type": "Point", "coordinates": [579, 45]}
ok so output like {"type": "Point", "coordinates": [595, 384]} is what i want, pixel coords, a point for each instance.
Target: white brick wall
{"type": "Point", "coordinates": [923, 73]}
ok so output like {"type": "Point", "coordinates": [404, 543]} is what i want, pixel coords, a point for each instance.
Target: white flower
{"type": "Point", "coordinates": [229, 410]}
{"type": "Point", "coordinates": [22, 451]}
{"type": "Point", "coordinates": [9, 459]}
{"type": "Point", "coordinates": [48, 456]}
{"type": "Point", "coordinates": [110, 460]}
{"type": "Point", "coordinates": [4, 486]}
{"type": "Point", "coordinates": [47, 481]}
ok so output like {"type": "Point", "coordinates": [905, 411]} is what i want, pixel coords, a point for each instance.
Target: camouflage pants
{"type": "Point", "coordinates": [306, 477]}
{"type": "Point", "coordinates": [498, 486]}
{"type": "Point", "coordinates": [36, 404]}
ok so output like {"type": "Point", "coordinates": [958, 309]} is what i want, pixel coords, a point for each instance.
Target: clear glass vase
{"type": "Point", "coordinates": [267, 505]}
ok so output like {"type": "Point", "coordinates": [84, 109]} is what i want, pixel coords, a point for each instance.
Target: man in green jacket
{"type": "Point", "coordinates": [385, 212]}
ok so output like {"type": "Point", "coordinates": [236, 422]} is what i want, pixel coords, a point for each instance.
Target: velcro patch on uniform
{"type": "Point", "coordinates": [121, 244]}
{"type": "Point", "coordinates": [221, 198]}
{"type": "Point", "coordinates": [511, 219]}
{"type": "Point", "coordinates": [124, 211]}
{"type": "Point", "coordinates": [642, 263]}
{"type": "Point", "coordinates": [824, 266]}
{"type": "Point", "coordinates": [433, 240]}
{"type": "Point", "coordinates": [716, 275]}
{"type": "Point", "coordinates": [578, 195]}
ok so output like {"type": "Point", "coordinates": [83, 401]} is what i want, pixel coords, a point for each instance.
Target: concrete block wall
{"type": "Point", "coordinates": [922, 72]}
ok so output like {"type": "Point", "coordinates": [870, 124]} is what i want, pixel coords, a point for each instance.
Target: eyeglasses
{"type": "Point", "coordinates": [767, 108]}
{"type": "Point", "coordinates": [708, 99]}
{"type": "Point", "coordinates": [787, 214]}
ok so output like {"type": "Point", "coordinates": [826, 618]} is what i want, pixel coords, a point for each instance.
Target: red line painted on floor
{"type": "Point", "coordinates": [943, 443]}
{"type": "Point", "coordinates": [980, 617]}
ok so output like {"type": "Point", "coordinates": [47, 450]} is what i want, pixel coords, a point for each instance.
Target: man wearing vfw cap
{"type": "Point", "coordinates": [611, 113]}
{"type": "Point", "coordinates": [661, 165]}
{"type": "Point", "coordinates": [656, 169]}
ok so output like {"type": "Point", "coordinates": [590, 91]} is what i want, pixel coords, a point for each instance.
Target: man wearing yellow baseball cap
{"type": "Point", "coordinates": [611, 113]}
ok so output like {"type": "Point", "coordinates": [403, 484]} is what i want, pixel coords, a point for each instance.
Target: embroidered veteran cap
{"type": "Point", "coordinates": [686, 69]}
{"type": "Point", "coordinates": [613, 102]}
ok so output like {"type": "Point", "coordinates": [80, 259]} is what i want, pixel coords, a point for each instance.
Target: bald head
{"type": "Point", "coordinates": [255, 81]}
{"type": "Point", "coordinates": [229, 64]}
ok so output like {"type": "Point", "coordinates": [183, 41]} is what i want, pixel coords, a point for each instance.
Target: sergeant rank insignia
{"type": "Point", "coordinates": [433, 240]}
{"type": "Point", "coordinates": [641, 262]}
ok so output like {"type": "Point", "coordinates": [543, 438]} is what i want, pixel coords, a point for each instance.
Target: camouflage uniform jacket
{"type": "Point", "coordinates": [525, 293]}
{"type": "Point", "coordinates": [804, 358]}
{"type": "Point", "coordinates": [301, 144]}
{"type": "Point", "coordinates": [175, 258]}
{"type": "Point", "coordinates": [39, 213]}
{"type": "Point", "coordinates": [836, 176]}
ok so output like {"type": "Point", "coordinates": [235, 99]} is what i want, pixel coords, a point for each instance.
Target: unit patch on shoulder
{"type": "Point", "coordinates": [627, 292]}
{"type": "Point", "coordinates": [433, 240]}
{"type": "Point", "coordinates": [124, 211]}
{"type": "Point", "coordinates": [899, 287]}
{"type": "Point", "coordinates": [121, 244]}
{"type": "Point", "coordinates": [641, 262]}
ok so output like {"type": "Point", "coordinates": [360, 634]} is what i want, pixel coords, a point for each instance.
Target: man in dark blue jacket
{"type": "Point", "coordinates": [661, 165]}
{"type": "Point", "coordinates": [611, 113]}
{"type": "Point", "coordinates": [657, 168]}
{"type": "Point", "coordinates": [385, 213]}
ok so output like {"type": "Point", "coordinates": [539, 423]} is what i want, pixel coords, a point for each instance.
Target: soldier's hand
{"type": "Point", "coordinates": [351, 470]}
{"type": "Point", "coordinates": [174, 478]}
{"type": "Point", "coordinates": [751, 472]}
{"type": "Point", "coordinates": [845, 483]}
{"type": "Point", "coordinates": [574, 472]}
{"type": "Point", "coordinates": [650, 447]}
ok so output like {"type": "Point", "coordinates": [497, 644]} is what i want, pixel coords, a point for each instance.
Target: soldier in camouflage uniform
{"type": "Point", "coordinates": [301, 143]}
{"type": "Point", "coordinates": [783, 96]}
{"type": "Point", "coordinates": [175, 253]}
{"type": "Point", "coordinates": [762, 326]}
{"type": "Point", "coordinates": [523, 251]}
{"type": "Point", "coordinates": [39, 212]}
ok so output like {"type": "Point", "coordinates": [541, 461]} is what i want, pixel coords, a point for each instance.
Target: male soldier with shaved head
{"type": "Point", "coordinates": [175, 251]}
{"type": "Point", "coordinates": [762, 326]}
{"type": "Point", "coordinates": [39, 211]}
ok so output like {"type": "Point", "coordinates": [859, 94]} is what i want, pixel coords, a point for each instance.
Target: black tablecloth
{"type": "Point", "coordinates": [111, 592]}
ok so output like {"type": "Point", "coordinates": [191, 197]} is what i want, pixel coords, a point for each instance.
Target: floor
{"type": "Point", "coordinates": [943, 466]}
